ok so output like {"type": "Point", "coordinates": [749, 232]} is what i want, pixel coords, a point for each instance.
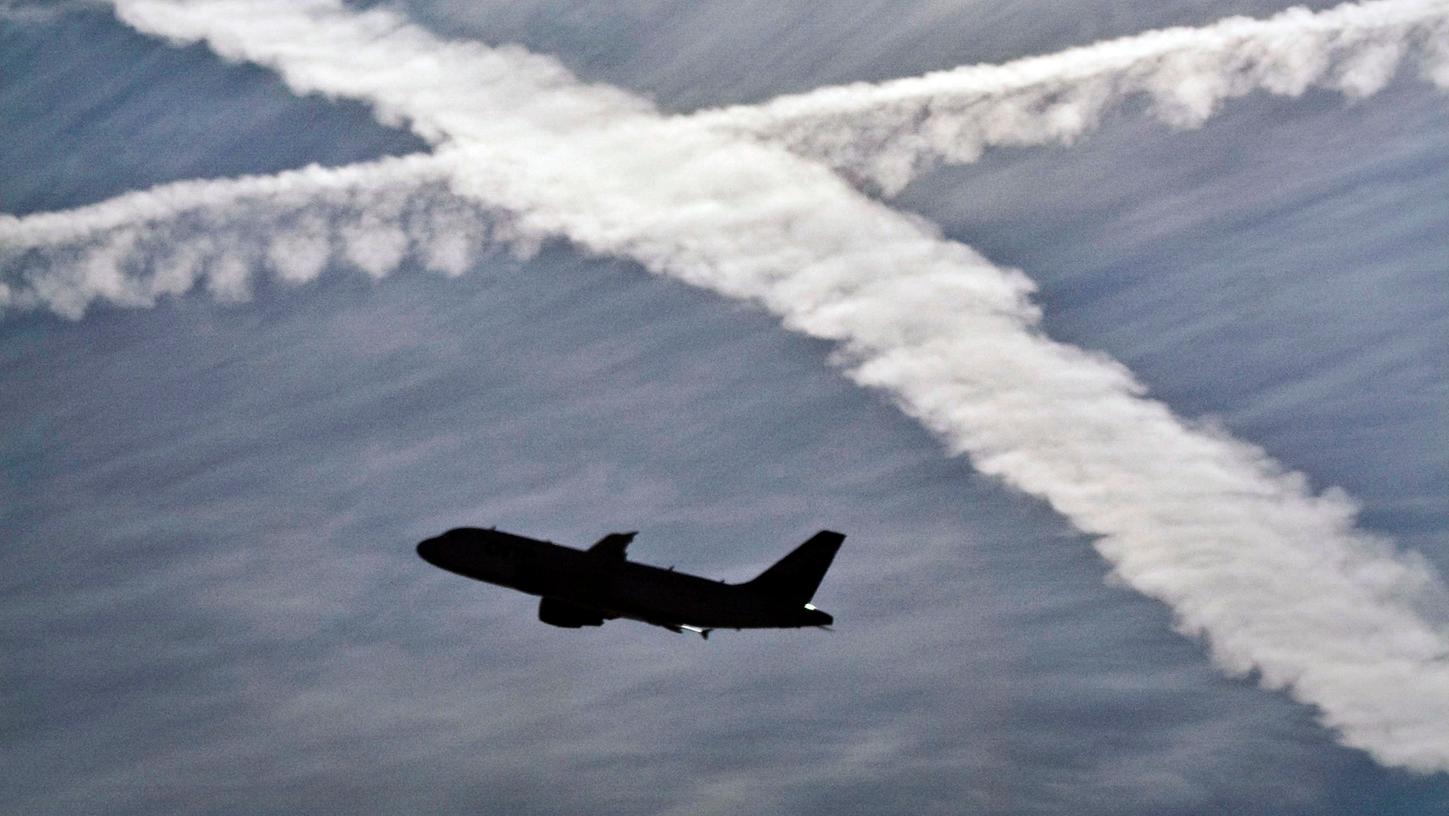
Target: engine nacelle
{"type": "Point", "coordinates": [570, 616]}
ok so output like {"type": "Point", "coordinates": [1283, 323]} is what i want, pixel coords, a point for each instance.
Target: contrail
{"type": "Point", "coordinates": [134, 248]}
{"type": "Point", "coordinates": [883, 135]}
{"type": "Point", "coordinates": [170, 201]}
{"type": "Point", "coordinates": [1274, 577]}
{"type": "Point", "coordinates": [886, 134]}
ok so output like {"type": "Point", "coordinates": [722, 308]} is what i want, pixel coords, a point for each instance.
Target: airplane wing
{"type": "Point", "coordinates": [612, 546]}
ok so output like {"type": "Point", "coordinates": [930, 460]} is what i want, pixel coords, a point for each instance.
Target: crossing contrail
{"type": "Point", "coordinates": [886, 134]}
{"type": "Point", "coordinates": [879, 135]}
{"type": "Point", "coordinates": [1274, 577]}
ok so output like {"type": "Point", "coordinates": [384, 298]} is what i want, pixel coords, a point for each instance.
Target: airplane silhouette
{"type": "Point", "coordinates": [587, 587]}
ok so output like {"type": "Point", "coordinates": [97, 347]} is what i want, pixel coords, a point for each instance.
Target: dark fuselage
{"type": "Point", "coordinates": [613, 587]}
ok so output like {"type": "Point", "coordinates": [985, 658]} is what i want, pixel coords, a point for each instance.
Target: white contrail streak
{"type": "Point", "coordinates": [1275, 578]}
{"type": "Point", "coordinates": [881, 135]}
{"type": "Point", "coordinates": [884, 135]}
{"type": "Point", "coordinates": [137, 247]}
{"type": "Point", "coordinates": [169, 201]}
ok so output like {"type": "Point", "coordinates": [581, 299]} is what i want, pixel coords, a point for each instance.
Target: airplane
{"type": "Point", "coordinates": [588, 587]}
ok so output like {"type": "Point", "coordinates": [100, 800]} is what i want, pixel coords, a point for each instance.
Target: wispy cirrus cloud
{"type": "Point", "coordinates": [1274, 576]}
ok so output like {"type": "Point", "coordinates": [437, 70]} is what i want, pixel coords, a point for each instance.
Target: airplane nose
{"type": "Point", "coordinates": [428, 550]}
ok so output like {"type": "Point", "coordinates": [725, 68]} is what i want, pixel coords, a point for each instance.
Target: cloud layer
{"type": "Point", "coordinates": [1273, 576]}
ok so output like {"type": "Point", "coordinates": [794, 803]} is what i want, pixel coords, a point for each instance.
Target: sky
{"type": "Point", "coordinates": [1134, 414]}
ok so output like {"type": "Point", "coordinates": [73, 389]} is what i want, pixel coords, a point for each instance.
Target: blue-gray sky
{"type": "Point", "coordinates": [211, 602]}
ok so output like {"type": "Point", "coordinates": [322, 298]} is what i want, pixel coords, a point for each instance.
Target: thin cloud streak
{"type": "Point", "coordinates": [136, 248]}
{"type": "Point", "coordinates": [879, 135]}
{"type": "Point", "coordinates": [21, 12]}
{"type": "Point", "coordinates": [1274, 577]}
{"type": "Point", "coordinates": [169, 201]}
{"type": "Point", "coordinates": [884, 135]}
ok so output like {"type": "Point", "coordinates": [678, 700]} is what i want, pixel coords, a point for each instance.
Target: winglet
{"type": "Point", "coordinates": [613, 545]}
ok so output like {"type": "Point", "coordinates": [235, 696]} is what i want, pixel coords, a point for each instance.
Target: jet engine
{"type": "Point", "coordinates": [570, 616]}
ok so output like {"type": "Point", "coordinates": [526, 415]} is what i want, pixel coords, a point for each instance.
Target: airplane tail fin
{"type": "Point", "coordinates": [796, 576]}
